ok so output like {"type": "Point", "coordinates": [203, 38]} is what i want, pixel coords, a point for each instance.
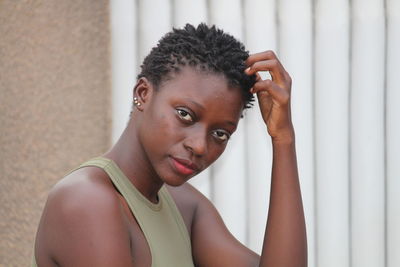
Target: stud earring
{"type": "Point", "coordinates": [136, 102]}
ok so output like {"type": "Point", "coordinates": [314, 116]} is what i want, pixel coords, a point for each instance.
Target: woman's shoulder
{"type": "Point", "coordinates": [82, 189]}
{"type": "Point", "coordinates": [84, 195]}
{"type": "Point", "coordinates": [83, 206]}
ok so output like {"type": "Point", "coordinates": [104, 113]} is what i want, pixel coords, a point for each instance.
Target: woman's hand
{"type": "Point", "coordinates": [273, 95]}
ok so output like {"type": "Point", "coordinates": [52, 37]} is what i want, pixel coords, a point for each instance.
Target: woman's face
{"type": "Point", "coordinates": [187, 123]}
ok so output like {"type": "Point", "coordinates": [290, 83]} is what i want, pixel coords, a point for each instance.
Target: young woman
{"type": "Point", "coordinates": [133, 207]}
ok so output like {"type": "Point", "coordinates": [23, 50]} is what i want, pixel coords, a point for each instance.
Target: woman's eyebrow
{"type": "Point", "coordinates": [195, 103]}
{"type": "Point", "coordinates": [231, 123]}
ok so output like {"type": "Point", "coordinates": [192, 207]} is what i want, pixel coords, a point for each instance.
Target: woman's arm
{"type": "Point", "coordinates": [285, 241]}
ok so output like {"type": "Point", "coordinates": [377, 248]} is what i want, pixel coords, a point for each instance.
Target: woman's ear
{"type": "Point", "coordinates": [142, 93]}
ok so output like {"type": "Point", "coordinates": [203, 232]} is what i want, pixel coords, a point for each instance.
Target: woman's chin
{"type": "Point", "coordinates": [176, 180]}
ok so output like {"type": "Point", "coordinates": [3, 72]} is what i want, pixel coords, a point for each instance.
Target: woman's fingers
{"type": "Point", "coordinates": [276, 70]}
{"type": "Point", "coordinates": [267, 61]}
{"type": "Point", "coordinates": [278, 93]}
{"type": "Point", "coordinates": [260, 56]}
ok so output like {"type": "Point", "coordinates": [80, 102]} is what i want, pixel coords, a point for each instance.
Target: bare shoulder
{"type": "Point", "coordinates": [83, 193]}
{"type": "Point", "coordinates": [83, 216]}
{"type": "Point", "coordinates": [90, 184]}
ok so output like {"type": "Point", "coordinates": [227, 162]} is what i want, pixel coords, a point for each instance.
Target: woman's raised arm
{"type": "Point", "coordinates": [285, 241]}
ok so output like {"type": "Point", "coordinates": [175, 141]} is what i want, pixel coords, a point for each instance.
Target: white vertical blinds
{"type": "Point", "coordinates": [393, 132]}
{"type": "Point", "coordinates": [344, 59]}
{"type": "Point", "coordinates": [154, 20]}
{"type": "Point", "coordinates": [367, 134]}
{"type": "Point", "coordinates": [295, 51]}
{"type": "Point", "coordinates": [189, 11]}
{"type": "Point", "coordinates": [124, 62]}
{"type": "Point", "coordinates": [331, 93]}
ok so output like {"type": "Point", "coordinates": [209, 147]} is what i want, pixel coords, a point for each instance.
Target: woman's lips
{"type": "Point", "coordinates": [183, 166]}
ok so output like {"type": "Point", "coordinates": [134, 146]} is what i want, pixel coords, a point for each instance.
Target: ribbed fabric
{"type": "Point", "coordinates": [161, 223]}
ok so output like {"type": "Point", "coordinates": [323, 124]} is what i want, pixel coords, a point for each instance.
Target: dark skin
{"type": "Point", "coordinates": [86, 222]}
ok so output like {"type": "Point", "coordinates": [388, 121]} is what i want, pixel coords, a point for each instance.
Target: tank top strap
{"type": "Point", "coordinates": [121, 182]}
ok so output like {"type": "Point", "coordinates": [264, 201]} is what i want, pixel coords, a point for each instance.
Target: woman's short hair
{"type": "Point", "coordinates": [207, 48]}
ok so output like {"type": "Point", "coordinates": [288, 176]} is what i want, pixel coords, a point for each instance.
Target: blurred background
{"type": "Point", "coordinates": [67, 70]}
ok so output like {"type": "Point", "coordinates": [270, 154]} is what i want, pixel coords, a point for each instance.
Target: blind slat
{"type": "Point", "coordinates": [332, 131]}
{"type": "Point", "coordinates": [393, 133]}
{"type": "Point", "coordinates": [295, 50]}
{"type": "Point", "coordinates": [367, 134]}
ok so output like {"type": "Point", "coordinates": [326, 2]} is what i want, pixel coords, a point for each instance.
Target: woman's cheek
{"type": "Point", "coordinates": [215, 151]}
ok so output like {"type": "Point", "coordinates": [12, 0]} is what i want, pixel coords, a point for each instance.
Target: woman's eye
{"type": "Point", "coordinates": [184, 115]}
{"type": "Point", "coordinates": [221, 135]}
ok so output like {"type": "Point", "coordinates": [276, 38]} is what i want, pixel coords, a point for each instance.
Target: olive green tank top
{"type": "Point", "coordinates": [161, 223]}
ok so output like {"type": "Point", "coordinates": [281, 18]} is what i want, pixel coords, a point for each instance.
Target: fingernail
{"type": "Point", "coordinates": [247, 70]}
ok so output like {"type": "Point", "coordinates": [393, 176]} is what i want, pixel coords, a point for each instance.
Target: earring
{"type": "Point", "coordinates": [136, 102]}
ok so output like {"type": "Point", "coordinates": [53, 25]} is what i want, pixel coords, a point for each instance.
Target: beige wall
{"type": "Point", "coordinates": [54, 106]}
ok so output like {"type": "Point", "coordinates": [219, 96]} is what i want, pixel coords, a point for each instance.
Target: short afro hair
{"type": "Point", "coordinates": [207, 48]}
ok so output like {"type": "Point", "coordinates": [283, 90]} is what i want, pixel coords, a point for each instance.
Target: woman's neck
{"type": "Point", "coordinates": [128, 154]}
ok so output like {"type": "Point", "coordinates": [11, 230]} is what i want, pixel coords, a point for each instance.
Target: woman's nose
{"type": "Point", "coordinates": [196, 143]}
